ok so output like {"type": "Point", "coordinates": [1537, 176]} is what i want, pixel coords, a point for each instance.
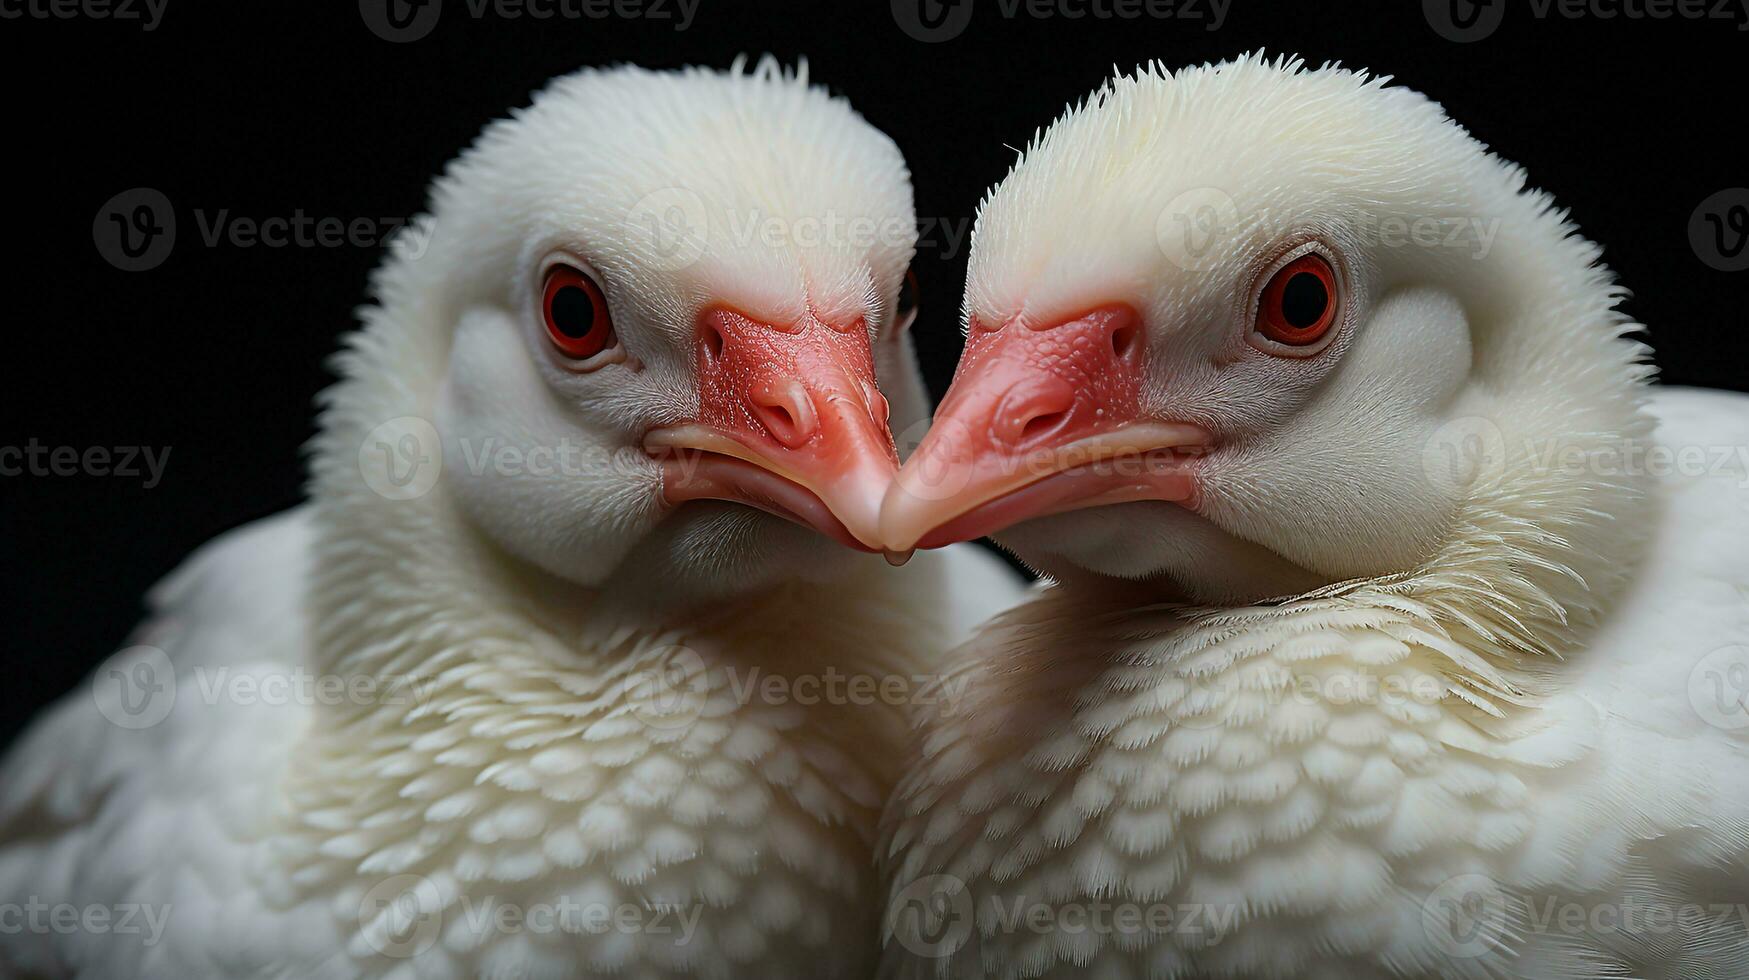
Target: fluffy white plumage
{"type": "Point", "coordinates": [1535, 743]}
{"type": "Point", "coordinates": [550, 704]}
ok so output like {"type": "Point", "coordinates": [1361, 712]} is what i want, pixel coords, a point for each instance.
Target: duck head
{"type": "Point", "coordinates": [647, 319]}
{"type": "Point", "coordinates": [1227, 328]}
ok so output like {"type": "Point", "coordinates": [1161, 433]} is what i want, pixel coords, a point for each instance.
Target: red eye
{"type": "Point", "coordinates": [1298, 306]}
{"type": "Point", "coordinates": [576, 313]}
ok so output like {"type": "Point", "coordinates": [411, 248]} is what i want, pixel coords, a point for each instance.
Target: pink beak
{"type": "Point", "coordinates": [1041, 419]}
{"type": "Point", "coordinates": [789, 421]}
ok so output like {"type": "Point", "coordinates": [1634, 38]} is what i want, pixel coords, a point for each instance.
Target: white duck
{"type": "Point", "coordinates": [511, 711]}
{"type": "Point", "coordinates": [1310, 700]}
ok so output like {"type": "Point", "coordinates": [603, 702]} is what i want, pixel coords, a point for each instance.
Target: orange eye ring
{"type": "Point", "coordinates": [1299, 304]}
{"type": "Point", "coordinates": [576, 315]}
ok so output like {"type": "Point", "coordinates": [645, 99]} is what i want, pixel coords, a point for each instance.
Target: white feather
{"type": "Point", "coordinates": [570, 745]}
{"type": "Point", "coordinates": [1220, 764]}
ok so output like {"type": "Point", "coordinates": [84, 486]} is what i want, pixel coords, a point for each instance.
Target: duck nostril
{"type": "Point", "coordinates": [779, 421]}
{"type": "Point", "coordinates": [1124, 338]}
{"type": "Point", "coordinates": [711, 341]}
{"type": "Point", "coordinates": [1038, 425]}
{"type": "Point", "coordinates": [1033, 409]}
{"type": "Point", "coordinates": [786, 411]}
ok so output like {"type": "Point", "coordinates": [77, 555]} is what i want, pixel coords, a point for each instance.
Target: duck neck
{"type": "Point", "coordinates": [404, 592]}
{"type": "Point", "coordinates": [1554, 511]}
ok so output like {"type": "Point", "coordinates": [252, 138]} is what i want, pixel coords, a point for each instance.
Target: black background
{"type": "Point", "coordinates": [267, 108]}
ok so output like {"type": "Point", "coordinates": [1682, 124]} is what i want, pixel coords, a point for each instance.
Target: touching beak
{"type": "Point", "coordinates": [1040, 419]}
{"type": "Point", "coordinates": [789, 421]}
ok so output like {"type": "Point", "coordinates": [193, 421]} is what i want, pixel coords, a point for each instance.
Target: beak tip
{"type": "Point", "coordinates": [901, 519]}
{"type": "Point", "coordinates": [856, 500]}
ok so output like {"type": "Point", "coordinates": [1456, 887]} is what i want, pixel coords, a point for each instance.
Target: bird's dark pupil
{"type": "Point", "coordinates": [573, 312]}
{"type": "Point", "coordinates": [1304, 300]}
